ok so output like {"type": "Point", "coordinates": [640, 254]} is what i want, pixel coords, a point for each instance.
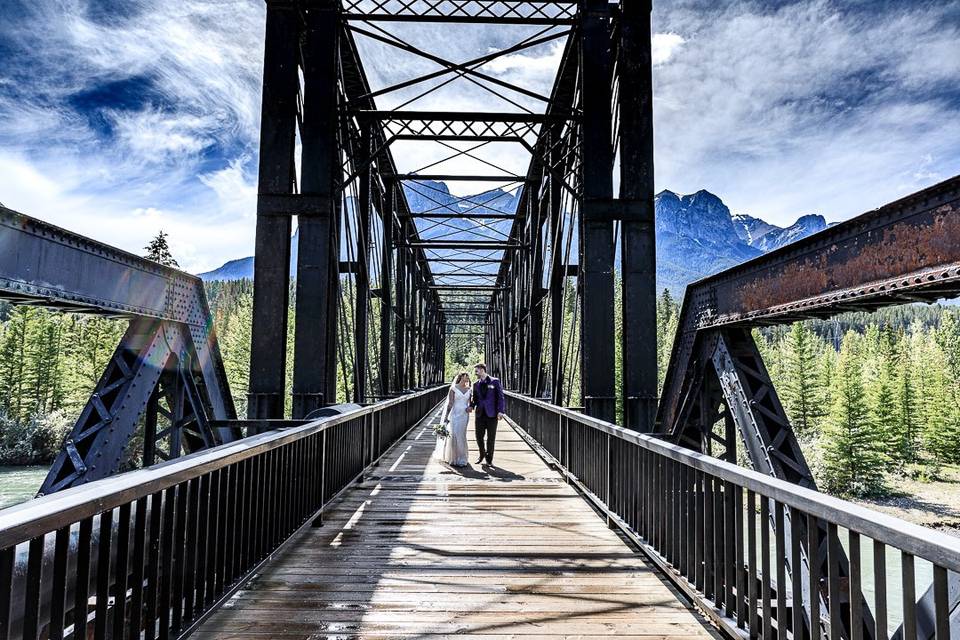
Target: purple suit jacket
{"type": "Point", "coordinates": [488, 397]}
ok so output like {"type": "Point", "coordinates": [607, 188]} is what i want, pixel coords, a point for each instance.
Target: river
{"type": "Point", "coordinates": [19, 484]}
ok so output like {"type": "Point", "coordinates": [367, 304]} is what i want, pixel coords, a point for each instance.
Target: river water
{"type": "Point", "coordinates": [18, 484]}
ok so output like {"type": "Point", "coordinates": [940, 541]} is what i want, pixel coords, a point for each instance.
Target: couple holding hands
{"type": "Point", "coordinates": [485, 397]}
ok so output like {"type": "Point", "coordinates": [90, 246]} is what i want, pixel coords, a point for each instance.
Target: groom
{"type": "Point", "coordinates": [488, 400]}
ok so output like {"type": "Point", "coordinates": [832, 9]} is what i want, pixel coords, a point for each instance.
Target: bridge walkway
{"type": "Point", "coordinates": [421, 550]}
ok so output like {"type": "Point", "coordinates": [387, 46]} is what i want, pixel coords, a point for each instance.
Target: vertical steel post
{"type": "Point", "coordinates": [413, 322]}
{"type": "Point", "coordinates": [386, 287]}
{"type": "Point", "coordinates": [638, 243]}
{"type": "Point", "coordinates": [536, 291]}
{"type": "Point", "coordinates": [400, 311]}
{"type": "Point", "coordinates": [557, 273]}
{"type": "Point", "coordinates": [362, 275]}
{"type": "Point", "coordinates": [522, 285]}
{"type": "Point", "coordinates": [277, 177]}
{"type": "Point", "coordinates": [314, 360]}
{"type": "Point", "coordinates": [596, 236]}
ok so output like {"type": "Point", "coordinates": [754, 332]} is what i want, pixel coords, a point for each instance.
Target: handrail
{"type": "Point", "coordinates": [20, 522]}
{"type": "Point", "coordinates": [924, 542]}
{"type": "Point", "coordinates": [687, 511]}
{"type": "Point", "coordinates": [158, 549]}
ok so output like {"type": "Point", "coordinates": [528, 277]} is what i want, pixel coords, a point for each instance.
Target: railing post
{"type": "Point", "coordinates": [608, 498]}
{"type": "Point", "coordinates": [318, 519]}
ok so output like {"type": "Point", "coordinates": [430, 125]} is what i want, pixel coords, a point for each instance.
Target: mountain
{"type": "Point", "coordinates": [767, 237]}
{"type": "Point", "coordinates": [751, 229]}
{"type": "Point", "coordinates": [242, 268]}
{"type": "Point", "coordinates": [234, 270]}
{"type": "Point", "coordinates": [422, 196]}
{"type": "Point", "coordinates": [696, 234]}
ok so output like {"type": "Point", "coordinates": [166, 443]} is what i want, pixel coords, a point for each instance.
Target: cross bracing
{"type": "Point", "coordinates": [441, 198]}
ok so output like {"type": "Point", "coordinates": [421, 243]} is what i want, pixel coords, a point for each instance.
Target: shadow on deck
{"type": "Point", "coordinates": [422, 550]}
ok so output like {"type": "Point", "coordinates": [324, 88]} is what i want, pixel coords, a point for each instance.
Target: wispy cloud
{"type": "Point", "coordinates": [112, 108]}
{"type": "Point", "coordinates": [121, 117]}
{"type": "Point", "coordinates": [788, 108]}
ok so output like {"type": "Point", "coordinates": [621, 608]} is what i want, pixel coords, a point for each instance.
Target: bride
{"type": "Point", "coordinates": [453, 448]}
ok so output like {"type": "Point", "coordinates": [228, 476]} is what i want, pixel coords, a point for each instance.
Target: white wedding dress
{"type": "Point", "coordinates": [453, 449]}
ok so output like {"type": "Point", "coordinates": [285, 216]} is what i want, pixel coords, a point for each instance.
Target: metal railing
{"type": "Point", "coordinates": [703, 521]}
{"type": "Point", "coordinates": [150, 553]}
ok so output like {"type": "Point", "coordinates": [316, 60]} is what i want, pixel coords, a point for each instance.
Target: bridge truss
{"type": "Point", "coordinates": [531, 268]}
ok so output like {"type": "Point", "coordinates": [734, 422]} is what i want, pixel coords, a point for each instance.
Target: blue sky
{"type": "Point", "coordinates": [122, 117]}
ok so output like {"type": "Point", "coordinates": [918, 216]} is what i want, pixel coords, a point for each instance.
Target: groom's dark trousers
{"type": "Point", "coordinates": [486, 428]}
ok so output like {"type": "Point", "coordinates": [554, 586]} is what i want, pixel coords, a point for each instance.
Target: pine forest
{"type": "Point", "coordinates": [872, 398]}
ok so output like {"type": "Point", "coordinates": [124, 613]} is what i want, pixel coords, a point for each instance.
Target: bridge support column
{"type": "Point", "coordinates": [314, 365]}
{"type": "Point", "coordinates": [274, 210]}
{"type": "Point", "coordinates": [386, 289]}
{"type": "Point", "coordinates": [362, 274]}
{"type": "Point", "coordinates": [596, 227]}
{"type": "Point", "coordinates": [536, 294]}
{"type": "Point", "coordinates": [638, 244]}
{"type": "Point", "coordinates": [730, 372]}
{"type": "Point", "coordinates": [558, 275]}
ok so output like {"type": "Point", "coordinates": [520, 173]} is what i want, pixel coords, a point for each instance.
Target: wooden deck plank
{"type": "Point", "coordinates": [421, 550]}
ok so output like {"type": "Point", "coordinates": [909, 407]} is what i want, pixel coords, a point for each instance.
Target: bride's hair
{"type": "Point", "coordinates": [460, 376]}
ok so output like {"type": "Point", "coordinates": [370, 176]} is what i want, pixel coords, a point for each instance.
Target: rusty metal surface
{"type": "Point", "coordinates": [49, 266]}
{"type": "Point", "coordinates": [905, 251]}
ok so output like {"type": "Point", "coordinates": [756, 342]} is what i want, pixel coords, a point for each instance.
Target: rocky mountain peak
{"type": "Point", "coordinates": [696, 233]}
{"type": "Point", "coordinates": [701, 215]}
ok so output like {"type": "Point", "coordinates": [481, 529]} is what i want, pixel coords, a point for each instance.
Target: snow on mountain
{"type": "Point", "coordinates": [696, 233]}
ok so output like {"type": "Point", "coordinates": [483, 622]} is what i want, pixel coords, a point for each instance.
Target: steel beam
{"type": "Point", "coordinates": [277, 176]}
{"type": "Point", "coordinates": [596, 232]}
{"type": "Point", "coordinates": [387, 279]}
{"type": "Point", "coordinates": [464, 216]}
{"type": "Point", "coordinates": [638, 252]}
{"type": "Point", "coordinates": [906, 248]}
{"type": "Point", "coordinates": [318, 256]}
{"type": "Point", "coordinates": [362, 281]}
{"type": "Point", "coordinates": [171, 330]}
{"type": "Point", "coordinates": [464, 245]}
{"type": "Point", "coordinates": [458, 177]}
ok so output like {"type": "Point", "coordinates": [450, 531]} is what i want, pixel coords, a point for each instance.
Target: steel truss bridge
{"type": "Point", "coordinates": [381, 288]}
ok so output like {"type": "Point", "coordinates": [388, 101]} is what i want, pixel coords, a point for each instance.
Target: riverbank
{"type": "Point", "coordinates": [934, 504]}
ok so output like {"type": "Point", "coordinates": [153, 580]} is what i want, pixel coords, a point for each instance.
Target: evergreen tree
{"type": "Point", "coordinates": [853, 455]}
{"type": "Point", "coordinates": [938, 431]}
{"type": "Point", "coordinates": [800, 386]}
{"type": "Point", "coordinates": [234, 339]}
{"type": "Point", "coordinates": [13, 364]}
{"type": "Point", "coordinates": [159, 250]}
{"type": "Point", "coordinates": [881, 390]}
{"type": "Point", "coordinates": [668, 317]}
{"type": "Point", "coordinates": [905, 445]}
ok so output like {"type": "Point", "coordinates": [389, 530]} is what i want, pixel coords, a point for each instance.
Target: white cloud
{"type": "Point", "coordinates": [663, 46]}
{"type": "Point", "coordinates": [809, 107]}
{"type": "Point", "coordinates": [148, 158]}
{"type": "Point", "coordinates": [780, 109]}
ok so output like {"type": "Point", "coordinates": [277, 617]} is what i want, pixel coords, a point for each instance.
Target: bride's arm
{"type": "Point", "coordinates": [447, 407]}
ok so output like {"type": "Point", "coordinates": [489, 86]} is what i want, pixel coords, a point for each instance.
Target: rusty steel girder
{"type": "Point", "coordinates": [905, 251]}
{"type": "Point", "coordinates": [170, 344]}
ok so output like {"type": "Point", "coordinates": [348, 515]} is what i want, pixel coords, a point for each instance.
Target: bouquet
{"type": "Point", "coordinates": [440, 430]}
